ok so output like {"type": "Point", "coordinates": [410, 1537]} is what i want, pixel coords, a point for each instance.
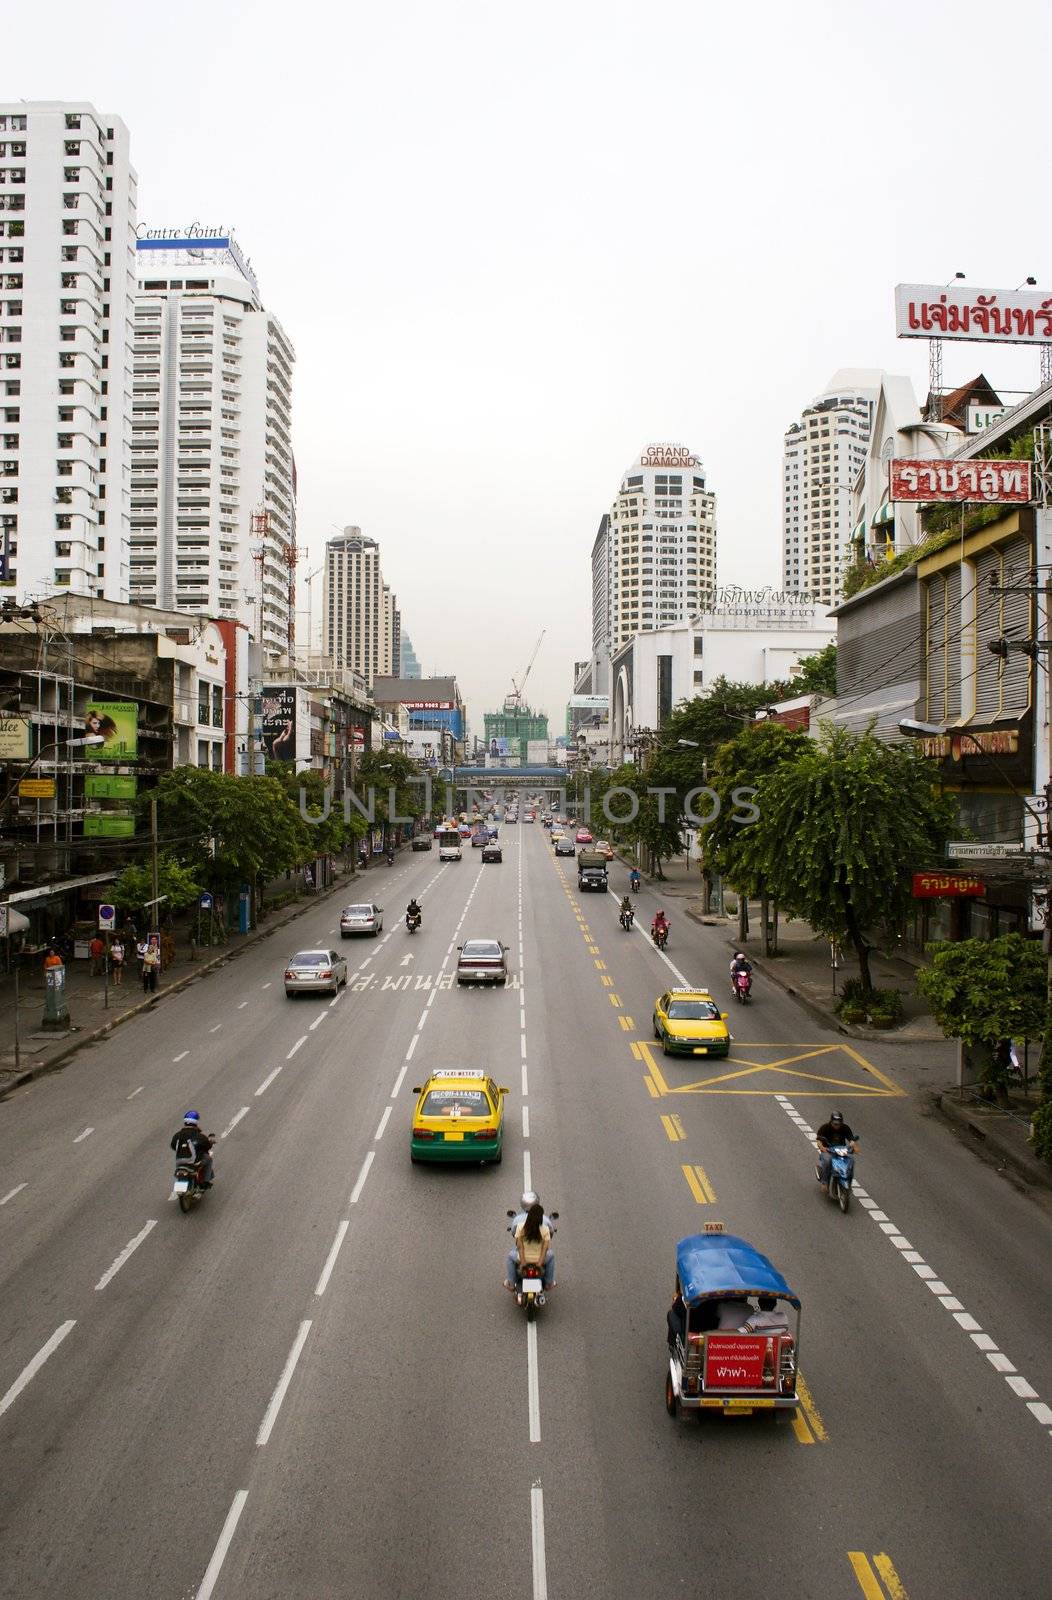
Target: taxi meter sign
{"type": "Point", "coordinates": [107, 918]}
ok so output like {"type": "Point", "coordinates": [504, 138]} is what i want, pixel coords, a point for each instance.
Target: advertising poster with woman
{"type": "Point", "coordinates": [278, 722]}
{"type": "Point", "coordinates": [117, 722]}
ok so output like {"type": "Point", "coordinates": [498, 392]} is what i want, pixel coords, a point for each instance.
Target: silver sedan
{"type": "Point", "coordinates": [315, 972]}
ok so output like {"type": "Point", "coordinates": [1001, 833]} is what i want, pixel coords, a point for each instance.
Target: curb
{"type": "Point", "coordinates": [988, 1139]}
{"type": "Point", "coordinates": [60, 1058]}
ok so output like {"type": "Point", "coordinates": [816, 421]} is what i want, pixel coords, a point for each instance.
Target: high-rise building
{"type": "Point", "coordinates": [213, 512]}
{"type": "Point", "coordinates": [654, 557]}
{"type": "Point", "coordinates": [359, 611]}
{"type": "Point", "coordinates": [409, 664]}
{"type": "Point", "coordinates": [391, 642]}
{"type": "Point", "coordinates": [67, 259]}
{"type": "Point", "coordinates": [823, 454]}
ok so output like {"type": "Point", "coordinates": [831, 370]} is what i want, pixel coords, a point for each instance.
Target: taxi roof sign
{"type": "Point", "coordinates": [460, 1072]}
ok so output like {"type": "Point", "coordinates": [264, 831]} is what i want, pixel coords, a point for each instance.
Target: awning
{"type": "Point", "coordinates": [885, 515]}
{"type": "Point", "coordinates": [47, 890]}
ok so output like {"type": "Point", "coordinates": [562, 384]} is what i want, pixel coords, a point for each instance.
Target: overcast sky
{"type": "Point", "coordinates": [514, 244]}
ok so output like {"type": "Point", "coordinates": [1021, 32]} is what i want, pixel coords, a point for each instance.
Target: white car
{"type": "Point", "coordinates": [363, 918]}
{"type": "Point", "coordinates": [315, 972]}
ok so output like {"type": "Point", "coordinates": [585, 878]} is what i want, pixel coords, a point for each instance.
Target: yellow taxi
{"type": "Point", "coordinates": [459, 1116]}
{"type": "Point", "coordinates": [688, 1022]}
{"type": "Point", "coordinates": [557, 833]}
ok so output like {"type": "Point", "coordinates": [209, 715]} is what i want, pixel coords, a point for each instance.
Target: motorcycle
{"type": "Point", "coordinates": [841, 1174]}
{"type": "Point", "coordinates": [660, 935]}
{"type": "Point", "coordinates": [189, 1185]}
{"type": "Point", "coordinates": [390, 858]}
{"type": "Point", "coordinates": [626, 919]}
{"type": "Point", "coordinates": [412, 921]}
{"type": "Point", "coordinates": [530, 1292]}
{"type": "Point", "coordinates": [742, 982]}
{"type": "Point", "coordinates": [634, 883]}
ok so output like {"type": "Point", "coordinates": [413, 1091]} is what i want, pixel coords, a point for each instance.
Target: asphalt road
{"type": "Point", "coordinates": [315, 1386]}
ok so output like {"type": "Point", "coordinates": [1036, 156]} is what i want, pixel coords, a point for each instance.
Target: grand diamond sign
{"type": "Point", "coordinates": [977, 482]}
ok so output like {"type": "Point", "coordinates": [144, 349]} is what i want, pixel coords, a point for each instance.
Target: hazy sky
{"type": "Point", "coordinates": [514, 244]}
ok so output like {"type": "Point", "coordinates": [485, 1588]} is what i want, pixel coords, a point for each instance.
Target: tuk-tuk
{"type": "Point", "coordinates": [726, 1352]}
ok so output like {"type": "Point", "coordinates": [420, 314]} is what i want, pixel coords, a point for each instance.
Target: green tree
{"type": "Point", "coordinates": [982, 991]}
{"type": "Point", "coordinates": [381, 771]}
{"type": "Point", "coordinates": [306, 792]}
{"type": "Point", "coordinates": [842, 829]}
{"type": "Point", "coordinates": [134, 888]}
{"type": "Point", "coordinates": [652, 821]}
{"type": "Point", "coordinates": [708, 721]}
{"type": "Point", "coordinates": [817, 673]}
{"type": "Point", "coordinates": [231, 830]}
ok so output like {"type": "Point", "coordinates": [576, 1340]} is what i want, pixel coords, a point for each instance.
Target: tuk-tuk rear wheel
{"type": "Point", "coordinates": [671, 1397]}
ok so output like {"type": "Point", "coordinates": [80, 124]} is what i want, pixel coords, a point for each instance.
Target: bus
{"type": "Point", "coordinates": [448, 841]}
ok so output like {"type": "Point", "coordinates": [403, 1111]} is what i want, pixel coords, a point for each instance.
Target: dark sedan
{"type": "Point", "coordinates": [565, 847]}
{"type": "Point", "coordinates": [492, 851]}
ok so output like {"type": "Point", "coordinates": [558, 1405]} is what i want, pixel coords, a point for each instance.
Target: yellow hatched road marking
{"type": "Point", "coordinates": [647, 1055]}
{"type": "Point", "coordinates": [650, 1088]}
{"type": "Point", "coordinates": [674, 1128]}
{"type": "Point", "coordinates": [700, 1187]}
{"type": "Point", "coordinates": [867, 1579]}
{"type": "Point", "coordinates": [600, 965]}
{"type": "Point", "coordinates": [607, 983]}
{"type": "Point", "coordinates": [892, 1581]}
{"type": "Point", "coordinates": [811, 1411]}
{"type": "Point", "coordinates": [626, 1022]}
{"type": "Point", "coordinates": [615, 1000]}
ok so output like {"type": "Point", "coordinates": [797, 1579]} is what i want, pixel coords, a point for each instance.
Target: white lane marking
{"type": "Point", "coordinates": [360, 1184]}
{"type": "Point", "coordinates": [637, 927]}
{"type": "Point", "coordinates": [268, 1080]}
{"type": "Point", "coordinates": [527, 1178]}
{"type": "Point", "coordinates": [129, 1249]}
{"type": "Point", "coordinates": [265, 986]}
{"type": "Point", "coordinates": [423, 1019]}
{"type": "Point", "coordinates": [525, 1122]}
{"type": "Point", "coordinates": [232, 1125]}
{"type": "Point", "coordinates": [533, 1383]}
{"type": "Point", "coordinates": [964, 1319]}
{"type": "Point", "coordinates": [130, 1096]}
{"type": "Point", "coordinates": [242, 1005]}
{"type": "Point", "coordinates": [540, 1573]}
{"type": "Point", "coordinates": [180, 1057]}
{"type": "Point", "coordinates": [216, 1028]}
{"type": "Point", "coordinates": [29, 1372]}
{"type": "Point", "coordinates": [334, 999]}
{"type": "Point", "coordinates": [301, 1041]}
{"type": "Point", "coordinates": [208, 1582]}
{"type": "Point", "coordinates": [1042, 1412]}
{"type": "Point", "coordinates": [412, 1047]}
{"type": "Point", "coordinates": [432, 996]}
{"type": "Point", "coordinates": [405, 961]}
{"type": "Point", "coordinates": [83, 1135]}
{"type": "Point", "coordinates": [267, 1425]}
{"type": "Point", "coordinates": [525, 1085]}
{"type": "Point", "coordinates": [10, 1195]}
{"type": "Point", "coordinates": [401, 1076]}
{"type": "Point", "coordinates": [383, 1123]}
{"type": "Point", "coordinates": [522, 1046]}
{"type": "Point", "coordinates": [330, 1260]}
{"type": "Point", "coordinates": [318, 1021]}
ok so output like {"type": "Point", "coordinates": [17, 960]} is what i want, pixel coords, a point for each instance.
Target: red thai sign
{"type": "Point", "coordinates": [736, 1360]}
{"type": "Point", "coordinates": [946, 886]}
{"type": "Point", "coordinates": [980, 482]}
{"type": "Point", "coordinates": [953, 311]}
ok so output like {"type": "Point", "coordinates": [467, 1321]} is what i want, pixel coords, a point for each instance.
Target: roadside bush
{"type": "Point", "coordinates": [885, 1003]}
{"type": "Point", "coordinates": [1041, 1131]}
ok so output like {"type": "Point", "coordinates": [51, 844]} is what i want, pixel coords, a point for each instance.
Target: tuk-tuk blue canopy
{"type": "Point", "coordinates": [714, 1264]}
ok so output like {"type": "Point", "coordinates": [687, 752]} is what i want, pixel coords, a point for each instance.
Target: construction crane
{"type": "Point", "coordinates": [513, 701]}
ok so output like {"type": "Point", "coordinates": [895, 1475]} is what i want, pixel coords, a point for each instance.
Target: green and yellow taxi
{"type": "Point", "coordinates": [688, 1022]}
{"type": "Point", "coordinates": [459, 1116]}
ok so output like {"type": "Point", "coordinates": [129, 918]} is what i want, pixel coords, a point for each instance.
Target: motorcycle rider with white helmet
{"type": "Point", "coordinates": [511, 1264]}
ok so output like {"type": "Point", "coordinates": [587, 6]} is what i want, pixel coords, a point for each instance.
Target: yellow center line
{"type": "Point", "coordinates": [811, 1411]}
{"type": "Point", "coordinates": [674, 1133]}
{"type": "Point", "coordinates": [600, 965]}
{"type": "Point", "coordinates": [892, 1581]}
{"type": "Point", "coordinates": [636, 1051]}
{"type": "Point", "coordinates": [650, 1088]}
{"type": "Point", "coordinates": [700, 1187]}
{"type": "Point", "coordinates": [607, 983]}
{"type": "Point", "coordinates": [802, 1431]}
{"type": "Point", "coordinates": [867, 1578]}
{"type": "Point", "coordinates": [615, 1000]}
{"type": "Point", "coordinates": [626, 1022]}
{"type": "Point", "coordinates": [593, 949]}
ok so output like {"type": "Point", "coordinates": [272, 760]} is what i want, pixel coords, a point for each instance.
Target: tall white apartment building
{"type": "Point", "coordinates": [823, 454]}
{"type": "Point", "coordinates": [654, 564]}
{"type": "Point", "coordinates": [360, 615]}
{"type": "Point", "coordinates": [213, 490]}
{"type": "Point", "coordinates": [67, 272]}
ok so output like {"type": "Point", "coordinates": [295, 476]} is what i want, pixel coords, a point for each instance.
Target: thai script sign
{"type": "Point", "coordinates": [979, 482]}
{"type": "Point", "coordinates": [732, 594]}
{"type": "Point", "coordinates": [929, 311]}
{"type": "Point", "coordinates": [734, 1361]}
{"type": "Point", "coordinates": [668, 455]}
{"type": "Point", "coordinates": [982, 417]}
{"type": "Point", "coordinates": [427, 705]}
{"type": "Point", "coordinates": [1004, 742]}
{"type": "Point", "coordinates": [946, 886]}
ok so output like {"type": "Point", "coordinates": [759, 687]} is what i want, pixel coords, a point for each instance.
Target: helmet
{"type": "Point", "coordinates": [528, 1199]}
{"type": "Point", "coordinates": [738, 955]}
{"type": "Point", "coordinates": [834, 1116]}
{"type": "Point", "coordinates": [192, 1117]}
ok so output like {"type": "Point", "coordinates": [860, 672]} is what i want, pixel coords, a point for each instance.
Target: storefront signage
{"type": "Point", "coordinates": [668, 455]}
{"type": "Point", "coordinates": [982, 417]}
{"type": "Point", "coordinates": [946, 886]}
{"type": "Point", "coordinates": [14, 739]}
{"type": "Point", "coordinates": [36, 789]}
{"type": "Point", "coordinates": [427, 705]}
{"type": "Point", "coordinates": [109, 825]}
{"type": "Point", "coordinates": [930, 311]}
{"type": "Point", "coordinates": [978, 482]}
{"type": "Point", "coordinates": [1005, 742]}
{"type": "Point", "coordinates": [109, 786]}
{"type": "Point", "coordinates": [967, 850]}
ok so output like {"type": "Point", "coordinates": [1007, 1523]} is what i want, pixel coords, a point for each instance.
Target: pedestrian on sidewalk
{"type": "Point", "coordinates": [97, 951]}
{"type": "Point", "coordinates": [117, 960]}
{"type": "Point", "coordinates": [150, 955]}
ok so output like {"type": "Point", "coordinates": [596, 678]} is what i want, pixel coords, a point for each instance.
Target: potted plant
{"type": "Point", "coordinates": [851, 1007]}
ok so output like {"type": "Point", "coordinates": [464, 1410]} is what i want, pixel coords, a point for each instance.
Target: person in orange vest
{"type": "Point", "coordinates": [53, 959]}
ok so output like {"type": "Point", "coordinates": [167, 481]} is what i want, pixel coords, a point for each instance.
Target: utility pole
{"type": "Point", "coordinates": [153, 850]}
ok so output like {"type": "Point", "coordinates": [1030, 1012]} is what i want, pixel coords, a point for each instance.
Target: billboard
{"type": "Point", "coordinates": [994, 316]}
{"type": "Point", "coordinates": [497, 748]}
{"type": "Point", "coordinates": [118, 723]}
{"type": "Point", "coordinates": [109, 825]}
{"type": "Point", "coordinates": [278, 722]}
{"type": "Point", "coordinates": [590, 702]}
{"type": "Point", "coordinates": [537, 752]}
{"type": "Point", "coordinates": [14, 739]}
{"type": "Point", "coordinates": [109, 786]}
{"type": "Point", "coordinates": [979, 482]}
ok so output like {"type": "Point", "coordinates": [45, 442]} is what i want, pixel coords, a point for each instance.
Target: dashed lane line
{"type": "Point", "coordinates": [31, 1369]}
{"type": "Point", "coordinates": [234, 1122]}
{"type": "Point", "coordinates": [128, 1251]}
{"type": "Point", "coordinates": [267, 1081]}
{"type": "Point", "coordinates": [10, 1195]}
{"type": "Point", "coordinates": [83, 1135]}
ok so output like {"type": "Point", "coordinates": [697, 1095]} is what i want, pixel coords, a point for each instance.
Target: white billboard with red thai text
{"type": "Point", "coordinates": [976, 482]}
{"type": "Point", "coordinates": [997, 316]}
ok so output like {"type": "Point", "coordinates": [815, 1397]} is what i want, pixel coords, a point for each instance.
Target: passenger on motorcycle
{"type": "Point", "coordinates": [413, 911]}
{"type": "Point", "coordinates": [739, 964]}
{"type": "Point", "coordinates": [528, 1201]}
{"type": "Point", "coordinates": [833, 1132]}
{"type": "Point", "coordinates": [659, 926]}
{"type": "Point", "coordinates": [533, 1238]}
{"type": "Point", "coordinates": [190, 1143]}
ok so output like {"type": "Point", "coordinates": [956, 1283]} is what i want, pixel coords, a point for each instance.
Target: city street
{"type": "Point", "coordinates": [315, 1386]}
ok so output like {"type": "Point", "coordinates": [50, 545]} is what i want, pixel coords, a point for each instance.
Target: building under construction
{"type": "Point", "coordinates": [518, 725]}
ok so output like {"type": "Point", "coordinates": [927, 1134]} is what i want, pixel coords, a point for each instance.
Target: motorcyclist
{"type": "Point", "coordinates": [626, 912]}
{"type": "Point", "coordinates": [739, 964]}
{"type": "Point", "coordinates": [659, 926]}
{"type": "Point", "coordinates": [833, 1132]}
{"type": "Point", "coordinates": [390, 858]}
{"type": "Point", "coordinates": [191, 1143]}
{"type": "Point", "coordinates": [634, 880]}
{"type": "Point", "coordinates": [511, 1265]}
{"type": "Point", "coordinates": [413, 911]}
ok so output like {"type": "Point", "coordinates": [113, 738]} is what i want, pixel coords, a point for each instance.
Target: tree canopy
{"type": "Point", "coordinates": [817, 674]}
{"type": "Point", "coordinates": [985, 990]}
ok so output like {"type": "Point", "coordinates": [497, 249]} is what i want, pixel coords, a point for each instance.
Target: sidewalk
{"type": "Point", "coordinates": [802, 968]}
{"type": "Point", "coordinates": [86, 995]}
